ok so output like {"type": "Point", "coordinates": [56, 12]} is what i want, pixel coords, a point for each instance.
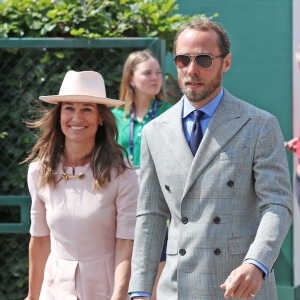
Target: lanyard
{"type": "Point", "coordinates": [153, 113]}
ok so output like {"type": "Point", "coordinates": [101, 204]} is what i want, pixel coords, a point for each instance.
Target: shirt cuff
{"type": "Point", "coordinates": [139, 294]}
{"type": "Point", "coordinates": [258, 264]}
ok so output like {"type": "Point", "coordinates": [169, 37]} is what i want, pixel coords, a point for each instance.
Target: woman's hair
{"type": "Point", "coordinates": [126, 90]}
{"type": "Point", "coordinates": [106, 156]}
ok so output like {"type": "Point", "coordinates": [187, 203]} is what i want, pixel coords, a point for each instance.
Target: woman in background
{"type": "Point", "coordinates": [141, 89]}
{"type": "Point", "coordinates": [83, 197]}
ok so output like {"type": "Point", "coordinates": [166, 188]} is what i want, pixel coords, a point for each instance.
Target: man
{"type": "Point", "coordinates": [230, 199]}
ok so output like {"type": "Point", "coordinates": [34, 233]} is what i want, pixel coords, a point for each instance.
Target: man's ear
{"type": "Point", "coordinates": [227, 62]}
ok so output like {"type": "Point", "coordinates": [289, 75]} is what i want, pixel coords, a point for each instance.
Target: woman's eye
{"type": "Point", "coordinates": [87, 109]}
{"type": "Point", "coordinates": [68, 107]}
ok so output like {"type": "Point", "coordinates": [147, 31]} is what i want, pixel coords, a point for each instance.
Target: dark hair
{"type": "Point", "coordinates": [207, 25]}
{"type": "Point", "coordinates": [106, 155]}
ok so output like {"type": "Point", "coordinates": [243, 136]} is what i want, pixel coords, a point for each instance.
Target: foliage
{"type": "Point", "coordinates": [92, 19]}
{"type": "Point", "coordinates": [14, 266]}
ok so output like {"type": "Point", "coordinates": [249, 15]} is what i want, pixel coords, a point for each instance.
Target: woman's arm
{"type": "Point", "coordinates": [39, 249]}
{"type": "Point", "coordinates": [122, 269]}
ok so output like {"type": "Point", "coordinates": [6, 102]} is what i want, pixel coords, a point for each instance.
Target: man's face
{"type": "Point", "coordinates": [198, 84]}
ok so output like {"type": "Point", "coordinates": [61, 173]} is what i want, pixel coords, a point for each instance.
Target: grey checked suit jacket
{"type": "Point", "coordinates": [230, 202]}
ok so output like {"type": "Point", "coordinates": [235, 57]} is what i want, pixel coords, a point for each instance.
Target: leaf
{"type": "Point", "coordinates": [79, 31]}
{"type": "Point", "coordinates": [52, 13]}
{"type": "Point", "coordinates": [59, 54]}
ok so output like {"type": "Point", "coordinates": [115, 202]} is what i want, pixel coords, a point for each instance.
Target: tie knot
{"type": "Point", "coordinates": [198, 114]}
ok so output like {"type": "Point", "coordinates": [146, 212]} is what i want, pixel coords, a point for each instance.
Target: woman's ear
{"type": "Point", "coordinates": [100, 122]}
{"type": "Point", "coordinates": [131, 83]}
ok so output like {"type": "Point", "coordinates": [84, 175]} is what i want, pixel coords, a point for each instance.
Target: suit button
{"type": "Point", "coordinates": [182, 252]}
{"type": "Point", "coordinates": [217, 251]}
{"type": "Point", "coordinates": [217, 220]}
{"type": "Point", "coordinates": [230, 183]}
{"type": "Point", "coordinates": [167, 188]}
{"type": "Point", "coordinates": [184, 220]}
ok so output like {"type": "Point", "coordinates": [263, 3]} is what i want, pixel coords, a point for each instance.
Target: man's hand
{"type": "Point", "coordinates": [245, 282]}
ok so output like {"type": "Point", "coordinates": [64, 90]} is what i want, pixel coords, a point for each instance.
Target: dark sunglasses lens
{"type": "Point", "coordinates": [182, 61]}
{"type": "Point", "coordinates": [203, 61]}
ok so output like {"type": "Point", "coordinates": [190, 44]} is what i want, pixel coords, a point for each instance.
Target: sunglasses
{"type": "Point", "coordinates": [204, 61]}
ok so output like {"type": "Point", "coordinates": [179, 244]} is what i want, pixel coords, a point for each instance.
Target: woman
{"type": "Point", "coordinates": [83, 197]}
{"type": "Point", "coordinates": [141, 89]}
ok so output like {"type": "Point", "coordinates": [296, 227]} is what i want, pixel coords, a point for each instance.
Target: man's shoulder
{"type": "Point", "coordinates": [244, 107]}
{"type": "Point", "coordinates": [170, 111]}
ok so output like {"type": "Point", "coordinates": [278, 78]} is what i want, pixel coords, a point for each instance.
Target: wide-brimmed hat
{"type": "Point", "coordinates": [86, 86]}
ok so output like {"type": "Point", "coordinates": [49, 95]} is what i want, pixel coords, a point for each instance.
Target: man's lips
{"type": "Point", "coordinates": [193, 84]}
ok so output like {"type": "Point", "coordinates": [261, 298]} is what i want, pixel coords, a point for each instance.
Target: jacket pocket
{"type": "Point", "coordinates": [239, 245]}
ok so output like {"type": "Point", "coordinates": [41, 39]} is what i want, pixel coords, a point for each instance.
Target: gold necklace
{"type": "Point", "coordinates": [66, 176]}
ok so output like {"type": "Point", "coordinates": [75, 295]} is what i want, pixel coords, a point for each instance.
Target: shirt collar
{"type": "Point", "coordinates": [209, 108]}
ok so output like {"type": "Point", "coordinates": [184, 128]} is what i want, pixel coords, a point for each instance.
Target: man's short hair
{"type": "Point", "coordinates": [206, 25]}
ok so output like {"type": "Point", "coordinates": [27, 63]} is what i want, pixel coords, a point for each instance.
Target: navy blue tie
{"type": "Point", "coordinates": [196, 135]}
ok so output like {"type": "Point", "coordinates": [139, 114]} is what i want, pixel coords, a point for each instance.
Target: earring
{"type": "Point", "coordinates": [101, 124]}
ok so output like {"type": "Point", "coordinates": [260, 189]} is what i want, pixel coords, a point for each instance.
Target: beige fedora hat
{"type": "Point", "coordinates": [86, 86]}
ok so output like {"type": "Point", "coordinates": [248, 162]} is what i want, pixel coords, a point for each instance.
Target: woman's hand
{"type": "Point", "coordinates": [291, 144]}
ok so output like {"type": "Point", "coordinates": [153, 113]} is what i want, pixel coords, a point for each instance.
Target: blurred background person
{"type": "Point", "coordinates": [294, 146]}
{"type": "Point", "coordinates": [141, 89]}
{"type": "Point", "coordinates": [83, 197]}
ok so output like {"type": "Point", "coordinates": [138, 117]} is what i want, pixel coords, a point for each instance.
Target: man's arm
{"type": "Point", "coordinates": [272, 187]}
{"type": "Point", "coordinates": [152, 215]}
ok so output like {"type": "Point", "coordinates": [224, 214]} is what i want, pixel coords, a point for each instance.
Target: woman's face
{"type": "Point", "coordinates": [79, 121]}
{"type": "Point", "coordinates": [147, 78]}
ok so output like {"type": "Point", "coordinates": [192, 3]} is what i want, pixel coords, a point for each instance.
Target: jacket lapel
{"type": "Point", "coordinates": [226, 122]}
{"type": "Point", "coordinates": [172, 133]}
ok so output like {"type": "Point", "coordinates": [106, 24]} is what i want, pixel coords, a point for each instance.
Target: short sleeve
{"type": "Point", "coordinates": [126, 202]}
{"type": "Point", "coordinates": [38, 225]}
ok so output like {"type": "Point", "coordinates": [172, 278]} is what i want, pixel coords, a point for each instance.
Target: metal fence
{"type": "Point", "coordinates": [30, 68]}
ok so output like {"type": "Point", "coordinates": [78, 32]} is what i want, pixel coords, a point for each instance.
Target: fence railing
{"type": "Point", "coordinates": [22, 203]}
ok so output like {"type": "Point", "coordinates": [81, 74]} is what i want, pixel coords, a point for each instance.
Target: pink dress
{"type": "Point", "coordinates": [83, 227]}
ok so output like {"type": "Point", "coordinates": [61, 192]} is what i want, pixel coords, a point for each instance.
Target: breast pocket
{"type": "Point", "coordinates": [236, 154]}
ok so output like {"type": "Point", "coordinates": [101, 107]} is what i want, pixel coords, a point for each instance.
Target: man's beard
{"type": "Point", "coordinates": [205, 91]}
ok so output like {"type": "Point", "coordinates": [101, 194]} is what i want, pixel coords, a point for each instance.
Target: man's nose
{"type": "Point", "coordinates": [193, 68]}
